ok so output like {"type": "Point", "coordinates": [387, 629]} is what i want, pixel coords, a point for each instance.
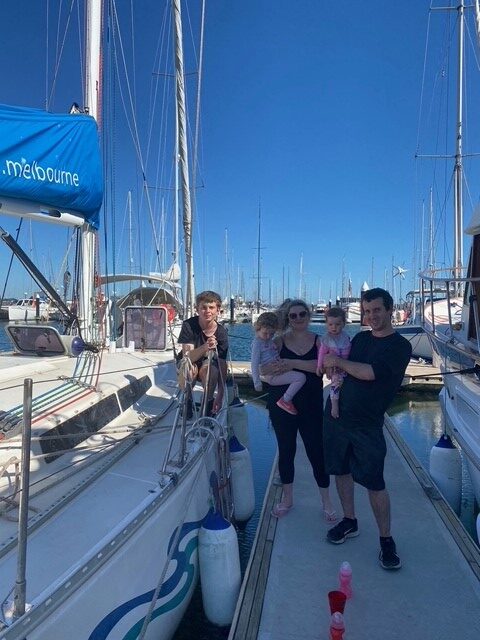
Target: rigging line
{"type": "Point", "coordinates": [127, 430]}
{"type": "Point", "coordinates": [423, 79]}
{"type": "Point", "coordinates": [59, 53]}
{"type": "Point", "coordinates": [11, 262]}
{"type": "Point", "coordinates": [47, 40]}
{"type": "Point", "coordinates": [473, 46]}
{"type": "Point", "coordinates": [100, 373]}
{"type": "Point", "coordinates": [475, 370]}
{"type": "Point", "coordinates": [154, 82]}
{"type": "Point", "coordinates": [173, 549]}
{"type": "Point", "coordinates": [197, 121]}
{"type": "Point", "coordinates": [232, 335]}
{"type": "Point", "coordinates": [82, 55]}
{"type": "Point", "coordinates": [199, 91]}
{"type": "Point", "coordinates": [64, 262]}
{"type": "Point", "coordinates": [133, 129]}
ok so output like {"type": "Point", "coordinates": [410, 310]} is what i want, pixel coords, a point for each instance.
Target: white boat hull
{"type": "Point", "coordinates": [418, 338]}
{"type": "Point", "coordinates": [103, 517]}
{"type": "Point", "coordinates": [22, 313]}
{"type": "Point", "coordinates": [461, 407]}
{"type": "Point", "coordinates": [115, 599]}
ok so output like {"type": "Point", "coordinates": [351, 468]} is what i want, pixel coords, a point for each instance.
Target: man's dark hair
{"type": "Point", "coordinates": [373, 294]}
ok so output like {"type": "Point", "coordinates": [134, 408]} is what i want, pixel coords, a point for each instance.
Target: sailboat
{"type": "Point", "coordinates": [451, 304]}
{"type": "Point", "coordinates": [104, 481]}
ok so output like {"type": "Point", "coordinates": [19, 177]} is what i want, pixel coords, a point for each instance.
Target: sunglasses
{"type": "Point", "coordinates": [300, 314]}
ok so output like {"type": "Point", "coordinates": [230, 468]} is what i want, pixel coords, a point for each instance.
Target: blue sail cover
{"type": "Point", "coordinates": [51, 159]}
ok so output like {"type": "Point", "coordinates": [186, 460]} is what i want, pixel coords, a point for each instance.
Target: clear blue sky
{"type": "Point", "coordinates": [310, 107]}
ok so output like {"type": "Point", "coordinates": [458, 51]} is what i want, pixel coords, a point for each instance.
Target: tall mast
{"type": "Point", "coordinates": [458, 171]}
{"type": "Point", "coordinates": [183, 156]}
{"type": "Point", "coordinates": [92, 95]}
{"type": "Point", "coordinates": [259, 277]}
{"type": "Point", "coordinates": [130, 230]}
{"type": "Point", "coordinates": [431, 250]}
{"type": "Point", "coordinates": [175, 228]}
{"type": "Point", "coordinates": [301, 277]}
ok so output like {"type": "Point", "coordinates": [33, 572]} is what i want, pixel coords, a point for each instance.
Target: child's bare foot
{"type": "Point", "coordinates": [329, 511]}
{"type": "Point", "coordinates": [335, 409]}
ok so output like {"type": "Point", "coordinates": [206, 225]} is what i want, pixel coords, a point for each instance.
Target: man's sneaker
{"type": "Point", "coordinates": [346, 528]}
{"type": "Point", "coordinates": [388, 554]}
{"type": "Point", "coordinates": [289, 407]}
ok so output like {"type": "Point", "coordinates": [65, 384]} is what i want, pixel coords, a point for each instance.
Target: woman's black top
{"type": "Point", "coordinates": [310, 397]}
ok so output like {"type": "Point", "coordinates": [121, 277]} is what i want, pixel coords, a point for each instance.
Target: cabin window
{"type": "Point", "coordinates": [35, 340]}
{"type": "Point", "coordinates": [132, 392]}
{"type": "Point", "coordinates": [146, 327]}
{"type": "Point", "coordinates": [70, 433]}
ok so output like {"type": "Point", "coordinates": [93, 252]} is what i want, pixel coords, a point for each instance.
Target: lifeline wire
{"type": "Point", "coordinates": [475, 369]}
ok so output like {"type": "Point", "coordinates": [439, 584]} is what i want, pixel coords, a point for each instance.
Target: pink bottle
{"type": "Point", "coordinates": [345, 578]}
{"type": "Point", "coordinates": [337, 626]}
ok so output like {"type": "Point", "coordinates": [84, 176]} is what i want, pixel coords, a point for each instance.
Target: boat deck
{"type": "Point", "coordinates": [435, 596]}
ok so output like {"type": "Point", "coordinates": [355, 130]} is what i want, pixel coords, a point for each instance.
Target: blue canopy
{"type": "Point", "coordinates": [51, 159]}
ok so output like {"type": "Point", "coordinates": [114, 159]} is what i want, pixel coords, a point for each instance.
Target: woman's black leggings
{"type": "Point", "coordinates": [311, 432]}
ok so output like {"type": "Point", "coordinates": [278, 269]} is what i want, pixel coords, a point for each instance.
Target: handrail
{"type": "Point", "coordinates": [186, 398]}
{"type": "Point", "coordinates": [451, 284]}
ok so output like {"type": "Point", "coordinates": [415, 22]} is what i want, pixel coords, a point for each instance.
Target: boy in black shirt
{"type": "Point", "coordinates": [201, 334]}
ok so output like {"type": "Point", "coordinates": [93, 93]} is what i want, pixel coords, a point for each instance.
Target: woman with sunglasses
{"type": "Point", "coordinates": [298, 349]}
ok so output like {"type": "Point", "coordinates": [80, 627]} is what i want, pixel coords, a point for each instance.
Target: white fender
{"type": "Point", "coordinates": [243, 491]}
{"type": "Point", "coordinates": [446, 471]}
{"type": "Point", "coordinates": [238, 420]}
{"type": "Point", "coordinates": [219, 563]}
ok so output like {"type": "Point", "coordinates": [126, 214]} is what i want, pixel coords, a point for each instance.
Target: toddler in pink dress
{"type": "Point", "coordinates": [336, 342]}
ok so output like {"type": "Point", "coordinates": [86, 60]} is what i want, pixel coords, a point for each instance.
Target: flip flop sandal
{"type": "Point", "coordinates": [280, 510]}
{"type": "Point", "coordinates": [330, 516]}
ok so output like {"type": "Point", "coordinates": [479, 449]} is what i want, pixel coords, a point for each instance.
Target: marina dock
{"type": "Point", "coordinates": [434, 596]}
{"type": "Point", "coordinates": [419, 375]}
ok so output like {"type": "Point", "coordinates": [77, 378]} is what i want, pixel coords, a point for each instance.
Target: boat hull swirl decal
{"type": "Point", "coordinates": [183, 566]}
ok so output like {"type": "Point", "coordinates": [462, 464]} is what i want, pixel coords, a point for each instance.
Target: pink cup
{"type": "Point", "coordinates": [337, 601]}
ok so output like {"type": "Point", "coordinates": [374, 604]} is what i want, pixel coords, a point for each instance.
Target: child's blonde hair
{"type": "Point", "coordinates": [267, 319]}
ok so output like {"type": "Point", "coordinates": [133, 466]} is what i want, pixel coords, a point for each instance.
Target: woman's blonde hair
{"type": "Point", "coordinates": [284, 309]}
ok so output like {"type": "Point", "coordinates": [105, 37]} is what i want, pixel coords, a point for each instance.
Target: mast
{"type": "Point", "coordinates": [183, 157]}
{"type": "Point", "coordinates": [175, 251]}
{"type": "Point", "coordinates": [228, 280]}
{"type": "Point", "coordinates": [431, 250]}
{"type": "Point", "coordinates": [259, 280]}
{"type": "Point", "coordinates": [92, 96]}
{"type": "Point", "coordinates": [130, 229]}
{"type": "Point", "coordinates": [458, 171]}
{"type": "Point", "coordinates": [301, 277]}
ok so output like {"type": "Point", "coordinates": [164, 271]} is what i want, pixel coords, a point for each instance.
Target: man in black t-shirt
{"type": "Point", "coordinates": [354, 444]}
{"type": "Point", "coordinates": [201, 334]}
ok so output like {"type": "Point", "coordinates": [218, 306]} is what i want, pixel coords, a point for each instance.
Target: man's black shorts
{"type": "Point", "coordinates": [359, 450]}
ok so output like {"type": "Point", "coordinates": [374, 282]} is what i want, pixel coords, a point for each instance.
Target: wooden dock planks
{"type": "Point", "coordinates": [250, 602]}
